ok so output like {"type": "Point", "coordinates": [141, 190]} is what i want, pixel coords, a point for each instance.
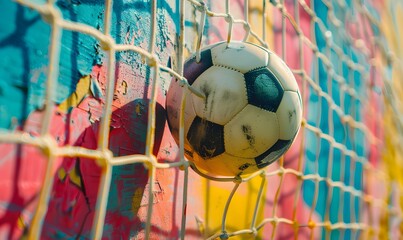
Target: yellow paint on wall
{"type": "Point", "coordinates": [75, 177]}
{"type": "Point", "coordinates": [73, 174]}
{"type": "Point", "coordinates": [390, 24]}
{"type": "Point", "coordinates": [256, 21]}
{"type": "Point", "coordinates": [241, 208]}
{"type": "Point", "coordinates": [82, 90]}
{"type": "Point", "coordinates": [61, 173]}
{"type": "Point", "coordinates": [21, 222]}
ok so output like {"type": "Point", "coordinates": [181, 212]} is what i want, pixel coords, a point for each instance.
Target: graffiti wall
{"type": "Point", "coordinates": [350, 121]}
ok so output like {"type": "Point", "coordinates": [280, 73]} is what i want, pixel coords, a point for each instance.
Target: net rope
{"type": "Point", "coordinates": [309, 85]}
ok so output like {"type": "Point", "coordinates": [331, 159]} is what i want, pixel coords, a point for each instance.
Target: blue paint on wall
{"type": "Point", "coordinates": [25, 39]}
{"type": "Point", "coordinates": [24, 45]}
{"type": "Point", "coordinates": [343, 167]}
{"type": "Point", "coordinates": [16, 63]}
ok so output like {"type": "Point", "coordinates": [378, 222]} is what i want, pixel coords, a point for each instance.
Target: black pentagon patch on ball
{"type": "Point", "coordinates": [264, 90]}
{"type": "Point", "coordinates": [273, 153]}
{"type": "Point", "coordinates": [193, 69]}
{"type": "Point", "coordinates": [206, 138]}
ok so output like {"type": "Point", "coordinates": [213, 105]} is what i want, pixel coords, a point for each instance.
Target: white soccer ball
{"type": "Point", "coordinates": [251, 112]}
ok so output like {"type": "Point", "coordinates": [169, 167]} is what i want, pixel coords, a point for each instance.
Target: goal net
{"type": "Point", "coordinates": [85, 150]}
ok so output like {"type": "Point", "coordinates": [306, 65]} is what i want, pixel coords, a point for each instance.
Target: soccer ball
{"type": "Point", "coordinates": [250, 115]}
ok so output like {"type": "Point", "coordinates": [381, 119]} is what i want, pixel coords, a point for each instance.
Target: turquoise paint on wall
{"type": "Point", "coordinates": [24, 44]}
{"type": "Point", "coordinates": [343, 168]}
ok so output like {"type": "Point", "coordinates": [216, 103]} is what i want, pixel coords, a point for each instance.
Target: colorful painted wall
{"type": "Point", "coordinates": [80, 97]}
